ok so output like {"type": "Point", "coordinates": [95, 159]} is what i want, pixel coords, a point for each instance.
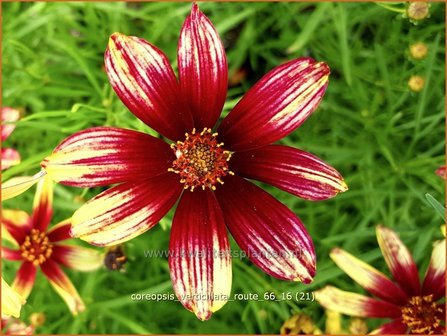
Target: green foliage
{"type": "Point", "coordinates": [385, 140]}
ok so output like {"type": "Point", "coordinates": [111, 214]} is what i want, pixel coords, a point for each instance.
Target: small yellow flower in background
{"type": "Point", "coordinates": [37, 319]}
{"type": "Point", "coordinates": [416, 83]}
{"type": "Point", "coordinates": [298, 324]}
{"type": "Point", "coordinates": [418, 50]}
{"type": "Point", "coordinates": [418, 11]}
{"type": "Point", "coordinates": [11, 301]}
{"type": "Point", "coordinates": [357, 326]}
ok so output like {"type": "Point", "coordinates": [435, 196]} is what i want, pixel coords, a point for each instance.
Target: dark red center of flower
{"type": "Point", "coordinates": [200, 160]}
{"type": "Point", "coordinates": [36, 247]}
{"type": "Point", "coordinates": [421, 315]}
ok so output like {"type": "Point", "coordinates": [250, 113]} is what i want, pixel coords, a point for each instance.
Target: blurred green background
{"type": "Point", "coordinates": [386, 140]}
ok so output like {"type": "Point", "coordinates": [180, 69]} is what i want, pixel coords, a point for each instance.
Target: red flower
{"type": "Point", "coordinates": [413, 306]}
{"type": "Point", "coordinates": [10, 157]}
{"type": "Point", "coordinates": [39, 247]}
{"type": "Point", "coordinates": [152, 175]}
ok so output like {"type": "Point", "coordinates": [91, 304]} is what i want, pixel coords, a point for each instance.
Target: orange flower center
{"type": "Point", "coordinates": [201, 161]}
{"type": "Point", "coordinates": [421, 315]}
{"type": "Point", "coordinates": [36, 248]}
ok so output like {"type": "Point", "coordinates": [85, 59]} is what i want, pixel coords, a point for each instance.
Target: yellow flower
{"type": "Point", "coordinates": [416, 83]}
{"type": "Point", "coordinates": [418, 50]}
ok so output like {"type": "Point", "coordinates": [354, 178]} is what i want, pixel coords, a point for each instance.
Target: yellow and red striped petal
{"type": "Point", "coordinates": [9, 115]}
{"type": "Point", "coordinates": [60, 231]}
{"type": "Point", "coordinates": [368, 277]}
{"type": "Point", "coordinates": [199, 258]}
{"type": "Point", "coordinates": [63, 286]}
{"type": "Point", "coordinates": [399, 260]}
{"type": "Point", "coordinates": [271, 235]}
{"type": "Point", "coordinates": [295, 171]}
{"type": "Point", "coordinates": [203, 69]}
{"type": "Point", "coordinates": [11, 301]}
{"type": "Point", "coordinates": [77, 257]}
{"type": "Point", "coordinates": [105, 155]}
{"type": "Point", "coordinates": [142, 77]}
{"type": "Point", "coordinates": [11, 254]}
{"type": "Point", "coordinates": [355, 304]}
{"type": "Point", "coordinates": [18, 185]}
{"type": "Point", "coordinates": [125, 211]}
{"type": "Point", "coordinates": [395, 327]}
{"type": "Point", "coordinates": [17, 223]}
{"type": "Point", "coordinates": [24, 280]}
{"type": "Point", "coordinates": [277, 104]}
{"type": "Point", "coordinates": [434, 281]}
{"type": "Point", "coordinates": [10, 157]}
{"type": "Point", "coordinates": [43, 204]}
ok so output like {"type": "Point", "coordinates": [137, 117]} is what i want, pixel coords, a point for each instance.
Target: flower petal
{"type": "Point", "coordinates": [9, 115]}
{"type": "Point", "coordinates": [43, 204]}
{"type": "Point", "coordinates": [125, 211]}
{"type": "Point", "coordinates": [76, 257]}
{"type": "Point", "coordinates": [395, 327]}
{"type": "Point", "coordinates": [18, 185]}
{"type": "Point", "coordinates": [203, 69]}
{"type": "Point", "coordinates": [279, 103]}
{"type": "Point", "coordinates": [368, 277]}
{"type": "Point", "coordinates": [17, 223]}
{"type": "Point", "coordinates": [355, 304]}
{"type": "Point", "coordinates": [271, 235]}
{"type": "Point", "coordinates": [24, 280]}
{"type": "Point", "coordinates": [10, 254]}
{"type": "Point", "coordinates": [142, 77]}
{"type": "Point", "coordinates": [11, 301]}
{"type": "Point", "coordinates": [10, 157]}
{"type": "Point", "coordinates": [295, 171]}
{"type": "Point", "coordinates": [105, 155]}
{"type": "Point", "coordinates": [434, 281]}
{"type": "Point", "coordinates": [199, 256]}
{"type": "Point", "coordinates": [399, 260]}
{"type": "Point", "coordinates": [441, 171]}
{"type": "Point", "coordinates": [63, 286]}
{"type": "Point", "coordinates": [60, 231]}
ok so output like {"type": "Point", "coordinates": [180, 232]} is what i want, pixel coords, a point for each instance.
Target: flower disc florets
{"type": "Point", "coordinates": [36, 248]}
{"type": "Point", "coordinates": [201, 160]}
{"type": "Point", "coordinates": [421, 315]}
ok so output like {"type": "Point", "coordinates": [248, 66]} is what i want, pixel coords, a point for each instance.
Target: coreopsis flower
{"type": "Point", "coordinates": [414, 307]}
{"type": "Point", "coordinates": [10, 157]}
{"type": "Point", "coordinates": [36, 247]}
{"type": "Point", "coordinates": [13, 326]}
{"type": "Point", "coordinates": [203, 168]}
{"type": "Point", "coordinates": [11, 301]}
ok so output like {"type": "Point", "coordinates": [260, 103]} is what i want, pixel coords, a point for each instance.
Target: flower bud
{"type": "Point", "coordinates": [416, 83]}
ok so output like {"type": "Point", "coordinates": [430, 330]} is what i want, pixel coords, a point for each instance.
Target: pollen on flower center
{"type": "Point", "coordinates": [200, 160]}
{"type": "Point", "coordinates": [421, 315]}
{"type": "Point", "coordinates": [36, 248]}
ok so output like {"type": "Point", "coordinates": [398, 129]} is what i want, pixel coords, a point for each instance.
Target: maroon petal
{"type": "Point", "coordinates": [399, 260]}
{"type": "Point", "coordinates": [434, 282]}
{"type": "Point", "coordinates": [269, 233]}
{"type": "Point", "coordinates": [142, 77]}
{"type": "Point", "coordinates": [43, 204]}
{"type": "Point", "coordinates": [24, 280]}
{"type": "Point", "coordinates": [125, 211]}
{"type": "Point", "coordinates": [10, 254]}
{"type": "Point", "coordinates": [17, 223]}
{"type": "Point", "coordinates": [60, 231]}
{"type": "Point", "coordinates": [395, 327]}
{"type": "Point", "coordinates": [199, 255]}
{"type": "Point", "coordinates": [279, 103]}
{"type": "Point", "coordinates": [295, 171]}
{"type": "Point", "coordinates": [203, 69]}
{"type": "Point", "coordinates": [105, 155]}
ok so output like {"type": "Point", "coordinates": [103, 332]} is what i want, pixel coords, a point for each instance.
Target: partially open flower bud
{"type": "Point", "coordinates": [416, 83]}
{"type": "Point", "coordinates": [418, 10]}
{"type": "Point", "coordinates": [418, 50]}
